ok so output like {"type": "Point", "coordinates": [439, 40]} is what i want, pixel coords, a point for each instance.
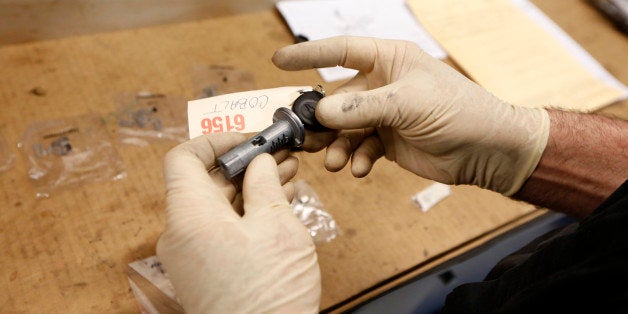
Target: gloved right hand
{"type": "Point", "coordinates": [421, 113]}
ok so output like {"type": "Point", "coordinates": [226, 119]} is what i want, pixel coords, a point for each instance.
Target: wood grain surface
{"type": "Point", "coordinates": [68, 253]}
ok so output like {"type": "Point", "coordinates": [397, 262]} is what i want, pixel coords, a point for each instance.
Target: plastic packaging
{"type": "Point", "coordinates": [65, 152]}
{"type": "Point", "coordinates": [216, 80]}
{"type": "Point", "coordinates": [152, 288]}
{"type": "Point", "coordinates": [145, 117]}
{"type": "Point", "coordinates": [154, 291]}
{"type": "Point", "coordinates": [310, 211]}
{"type": "Point", "coordinates": [7, 157]}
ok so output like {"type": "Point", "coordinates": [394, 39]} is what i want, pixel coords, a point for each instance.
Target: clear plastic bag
{"type": "Point", "coordinates": [65, 152]}
{"type": "Point", "coordinates": [145, 117]}
{"type": "Point", "coordinates": [7, 157]}
{"type": "Point", "coordinates": [152, 288]}
{"type": "Point", "coordinates": [308, 208]}
{"type": "Point", "coordinates": [216, 80]}
{"type": "Point", "coordinates": [154, 291]}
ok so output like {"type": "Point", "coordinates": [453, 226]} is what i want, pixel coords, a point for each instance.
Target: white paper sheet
{"type": "Point", "coordinates": [390, 19]}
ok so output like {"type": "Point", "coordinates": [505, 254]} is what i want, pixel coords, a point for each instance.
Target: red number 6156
{"type": "Point", "coordinates": [222, 124]}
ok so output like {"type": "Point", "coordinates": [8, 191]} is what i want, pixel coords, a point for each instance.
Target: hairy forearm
{"type": "Point", "coordinates": [585, 160]}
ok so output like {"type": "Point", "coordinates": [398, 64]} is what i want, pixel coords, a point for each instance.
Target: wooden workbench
{"type": "Point", "coordinates": [68, 253]}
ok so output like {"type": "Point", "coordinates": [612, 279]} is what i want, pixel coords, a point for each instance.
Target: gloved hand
{"type": "Point", "coordinates": [221, 262]}
{"type": "Point", "coordinates": [421, 113]}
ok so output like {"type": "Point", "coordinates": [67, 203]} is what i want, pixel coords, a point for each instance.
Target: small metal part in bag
{"type": "Point", "coordinates": [286, 131]}
{"type": "Point", "coordinates": [61, 146]}
{"type": "Point", "coordinates": [39, 150]}
{"type": "Point", "coordinates": [142, 118]}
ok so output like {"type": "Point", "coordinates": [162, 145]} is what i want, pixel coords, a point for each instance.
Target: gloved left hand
{"type": "Point", "coordinates": [218, 261]}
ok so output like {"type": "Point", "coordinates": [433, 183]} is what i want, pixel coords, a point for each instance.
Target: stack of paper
{"type": "Point", "coordinates": [512, 49]}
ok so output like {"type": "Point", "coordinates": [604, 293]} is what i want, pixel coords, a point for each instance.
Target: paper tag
{"type": "Point", "coordinates": [244, 112]}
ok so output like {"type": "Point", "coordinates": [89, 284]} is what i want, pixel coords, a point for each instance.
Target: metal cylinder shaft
{"type": "Point", "coordinates": [286, 131]}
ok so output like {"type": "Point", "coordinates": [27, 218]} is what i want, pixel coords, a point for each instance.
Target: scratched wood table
{"type": "Point", "coordinates": [68, 252]}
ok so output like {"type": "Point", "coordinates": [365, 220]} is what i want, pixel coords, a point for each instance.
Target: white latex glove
{"type": "Point", "coordinates": [421, 113]}
{"type": "Point", "coordinates": [221, 262]}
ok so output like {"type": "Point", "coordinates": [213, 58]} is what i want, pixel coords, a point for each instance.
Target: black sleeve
{"type": "Point", "coordinates": [582, 269]}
